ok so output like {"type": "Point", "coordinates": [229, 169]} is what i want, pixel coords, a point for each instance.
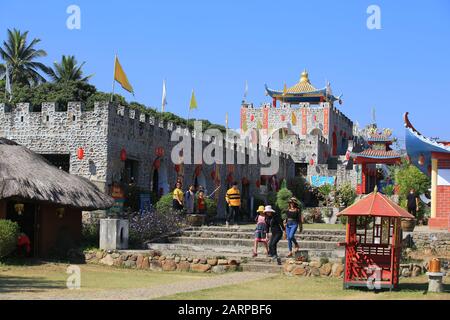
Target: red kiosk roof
{"type": "Point", "coordinates": [376, 204]}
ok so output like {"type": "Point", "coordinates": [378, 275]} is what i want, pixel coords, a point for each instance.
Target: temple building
{"type": "Point", "coordinates": [302, 121]}
{"type": "Point", "coordinates": [432, 158]}
{"type": "Point", "coordinates": [370, 162]}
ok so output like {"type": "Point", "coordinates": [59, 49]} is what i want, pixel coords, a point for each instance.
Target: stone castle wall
{"type": "Point", "coordinates": [108, 129]}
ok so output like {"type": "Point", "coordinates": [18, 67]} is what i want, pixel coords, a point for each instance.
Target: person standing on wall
{"type": "Point", "coordinates": [189, 199]}
{"type": "Point", "coordinates": [233, 198]}
{"type": "Point", "coordinates": [177, 200]}
{"type": "Point", "coordinates": [412, 202]}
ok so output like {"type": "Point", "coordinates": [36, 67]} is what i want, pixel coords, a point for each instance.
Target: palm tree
{"type": "Point", "coordinates": [68, 70]}
{"type": "Point", "coordinates": [21, 56]}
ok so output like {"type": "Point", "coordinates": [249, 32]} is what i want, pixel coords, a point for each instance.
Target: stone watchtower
{"type": "Point", "coordinates": [308, 125]}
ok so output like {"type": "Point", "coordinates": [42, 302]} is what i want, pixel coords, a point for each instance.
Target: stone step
{"type": "Point", "coordinates": [222, 242]}
{"type": "Point", "coordinates": [241, 229]}
{"type": "Point", "coordinates": [250, 235]}
{"type": "Point", "coordinates": [239, 252]}
{"type": "Point", "coordinates": [262, 267]}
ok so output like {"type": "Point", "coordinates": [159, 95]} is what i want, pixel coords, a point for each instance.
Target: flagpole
{"type": "Point", "coordinates": [114, 76]}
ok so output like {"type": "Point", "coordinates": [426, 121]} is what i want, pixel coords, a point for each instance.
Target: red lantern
{"type": "Point", "coordinates": [230, 178]}
{"type": "Point", "coordinates": [311, 162]}
{"type": "Point", "coordinates": [283, 117]}
{"type": "Point", "coordinates": [177, 168]}
{"type": "Point", "coordinates": [198, 170]}
{"type": "Point", "coordinates": [123, 154]}
{"type": "Point", "coordinates": [80, 153]}
{"type": "Point", "coordinates": [258, 183]}
{"type": "Point", "coordinates": [213, 174]}
{"type": "Point", "coordinates": [252, 117]}
{"type": "Point", "coordinates": [315, 118]}
{"type": "Point", "coordinates": [157, 164]}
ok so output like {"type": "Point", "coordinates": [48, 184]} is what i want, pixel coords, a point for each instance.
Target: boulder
{"type": "Point", "coordinates": [200, 267]}
{"type": "Point", "coordinates": [202, 261]}
{"type": "Point", "coordinates": [337, 269]}
{"type": "Point", "coordinates": [190, 259]}
{"type": "Point", "coordinates": [325, 270]}
{"type": "Point", "coordinates": [124, 257]}
{"type": "Point", "coordinates": [212, 262]}
{"type": "Point", "coordinates": [156, 265]}
{"type": "Point", "coordinates": [222, 262]}
{"type": "Point", "coordinates": [99, 255]}
{"type": "Point", "coordinates": [405, 272]}
{"type": "Point", "coordinates": [299, 271]}
{"type": "Point", "coordinates": [115, 255]}
{"type": "Point", "coordinates": [195, 261]}
{"type": "Point", "coordinates": [288, 267]}
{"type": "Point", "coordinates": [162, 258]}
{"type": "Point", "coordinates": [218, 269]}
{"type": "Point", "coordinates": [233, 262]}
{"type": "Point", "coordinates": [108, 260]}
{"type": "Point", "coordinates": [314, 272]}
{"type": "Point", "coordinates": [130, 264]}
{"type": "Point", "coordinates": [133, 257]}
{"type": "Point", "coordinates": [145, 263]}
{"type": "Point", "coordinates": [232, 267]}
{"type": "Point", "coordinates": [183, 266]}
{"type": "Point", "coordinates": [169, 265]}
{"type": "Point", "coordinates": [139, 260]}
{"type": "Point", "coordinates": [177, 259]}
{"type": "Point", "coordinates": [118, 262]}
{"type": "Point", "coordinates": [315, 264]}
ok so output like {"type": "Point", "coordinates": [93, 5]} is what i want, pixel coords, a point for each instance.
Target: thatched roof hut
{"type": "Point", "coordinates": [27, 175]}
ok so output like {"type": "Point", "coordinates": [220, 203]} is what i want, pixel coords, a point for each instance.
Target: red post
{"type": "Point", "coordinates": [274, 102]}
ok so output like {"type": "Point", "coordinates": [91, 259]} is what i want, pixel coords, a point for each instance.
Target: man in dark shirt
{"type": "Point", "coordinates": [412, 202]}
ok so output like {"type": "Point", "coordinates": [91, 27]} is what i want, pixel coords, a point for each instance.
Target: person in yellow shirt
{"type": "Point", "coordinates": [233, 198]}
{"type": "Point", "coordinates": [177, 201]}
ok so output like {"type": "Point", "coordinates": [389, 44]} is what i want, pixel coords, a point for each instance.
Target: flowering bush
{"type": "Point", "coordinates": [152, 224]}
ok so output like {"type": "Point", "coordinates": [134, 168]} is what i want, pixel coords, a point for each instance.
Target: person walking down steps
{"type": "Point", "coordinates": [293, 222]}
{"type": "Point", "coordinates": [276, 227]}
{"type": "Point", "coordinates": [261, 231]}
{"type": "Point", "coordinates": [233, 198]}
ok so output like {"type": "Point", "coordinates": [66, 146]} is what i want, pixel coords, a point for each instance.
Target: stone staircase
{"type": "Point", "coordinates": [237, 243]}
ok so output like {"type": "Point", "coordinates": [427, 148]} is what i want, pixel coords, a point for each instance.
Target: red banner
{"type": "Point", "coordinates": [325, 121]}
{"type": "Point", "coordinates": [266, 118]}
{"type": "Point", "coordinates": [304, 121]}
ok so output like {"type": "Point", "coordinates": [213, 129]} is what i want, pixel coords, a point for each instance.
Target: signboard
{"type": "Point", "coordinates": [317, 181]}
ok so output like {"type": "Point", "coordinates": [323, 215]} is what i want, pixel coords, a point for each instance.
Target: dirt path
{"type": "Point", "coordinates": [142, 293]}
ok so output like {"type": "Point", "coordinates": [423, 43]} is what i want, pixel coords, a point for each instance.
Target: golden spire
{"type": "Point", "coordinates": [304, 76]}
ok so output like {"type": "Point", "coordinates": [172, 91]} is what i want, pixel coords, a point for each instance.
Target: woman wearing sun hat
{"type": "Point", "coordinates": [293, 221]}
{"type": "Point", "coordinates": [275, 223]}
{"type": "Point", "coordinates": [261, 231]}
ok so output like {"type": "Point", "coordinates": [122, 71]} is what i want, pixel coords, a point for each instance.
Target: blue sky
{"type": "Point", "coordinates": [215, 46]}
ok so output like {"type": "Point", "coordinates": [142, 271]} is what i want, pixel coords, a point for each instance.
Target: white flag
{"type": "Point", "coordinates": [8, 83]}
{"type": "Point", "coordinates": [164, 93]}
{"type": "Point", "coordinates": [328, 91]}
{"type": "Point", "coordinates": [246, 89]}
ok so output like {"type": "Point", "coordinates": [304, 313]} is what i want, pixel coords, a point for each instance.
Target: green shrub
{"type": "Point", "coordinates": [165, 203]}
{"type": "Point", "coordinates": [283, 196]}
{"type": "Point", "coordinates": [325, 191]}
{"type": "Point", "coordinates": [345, 195]}
{"type": "Point", "coordinates": [211, 207]}
{"type": "Point", "coordinates": [9, 232]}
{"type": "Point", "coordinates": [90, 234]}
{"type": "Point", "coordinates": [389, 190]}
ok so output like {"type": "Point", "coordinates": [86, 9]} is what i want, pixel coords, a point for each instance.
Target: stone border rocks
{"type": "Point", "coordinates": [155, 261]}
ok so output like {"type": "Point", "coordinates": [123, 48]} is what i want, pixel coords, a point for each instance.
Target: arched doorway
{"type": "Point", "coordinates": [160, 181]}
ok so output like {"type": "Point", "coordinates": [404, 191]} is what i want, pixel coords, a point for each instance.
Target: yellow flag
{"type": "Point", "coordinates": [294, 119]}
{"type": "Point", "coordinates": [121, 77]}
{"type": "Point", "coordinates": [284, 89]}
{"type": "Point", "coordinates": [193, 103]}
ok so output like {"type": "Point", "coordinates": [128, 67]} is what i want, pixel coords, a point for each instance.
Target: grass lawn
{"type": "Point", "coordinates": [297, 288]}
{"type": "Point", "coordinates": [51, 278]}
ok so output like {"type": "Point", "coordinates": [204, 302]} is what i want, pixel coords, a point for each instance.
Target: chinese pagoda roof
{"type": "Point", "coordinates": [417, 145]}
{"type": "Point", "coordinates": [302, 91]}
{"type": "Point", "coordinates": [377, 205]}
{"type": "Point", "coordinates": [377, 137]}
{"type": "Point", "coordinates": [376, 154]}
